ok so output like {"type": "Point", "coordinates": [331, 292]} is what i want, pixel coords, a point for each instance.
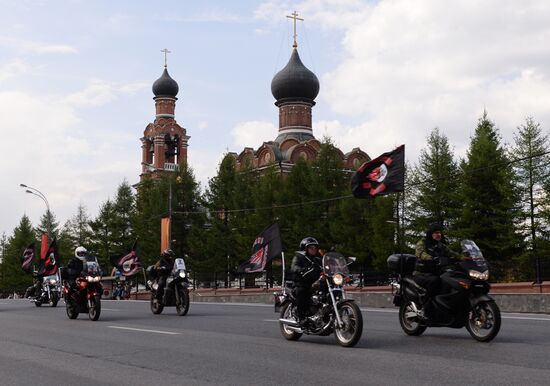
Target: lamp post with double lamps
{"type": "Point", "coordinates": [38, 193]}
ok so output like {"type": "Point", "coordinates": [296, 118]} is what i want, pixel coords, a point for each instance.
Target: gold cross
{"type": "Point", "coordinates": [166, 52]}
{"type": "Point", "coordinates": [295, 17]}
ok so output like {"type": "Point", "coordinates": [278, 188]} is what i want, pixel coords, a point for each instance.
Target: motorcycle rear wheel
{"type": "Point", "coordinates": [182, 306]}
{"type": "Point", "coordinates": [484, 322]}
{"type": "Point", "coordinates": [408, 321]}
{"type": "Point", "coordinates": [95, 309]}
{"type": "Point", "coordinates": [351, 331]}
{"type": "Point", "coordinates": [286, 313]}
{"type": "Point", "coordinates": [156, 306]}
{"type": "Point", "coordinates": [37, 303]}
{"type": "Point", "coordinates": [54, 299]}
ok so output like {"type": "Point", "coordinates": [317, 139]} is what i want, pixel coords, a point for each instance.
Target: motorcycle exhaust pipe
{"type": "Point", "coordinates": [289, 322]}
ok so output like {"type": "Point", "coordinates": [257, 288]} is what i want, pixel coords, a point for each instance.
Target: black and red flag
{"type": "Point", "coordinates": [28, 258]}
{"type": "Point", "coordinates": [266, 247]}
{"type": "Point", "coordinates": [382, 175]}
{"type": "Point", "coordinates": [128, 264]}
{"type": "Point", "coordinates": [49, 261]}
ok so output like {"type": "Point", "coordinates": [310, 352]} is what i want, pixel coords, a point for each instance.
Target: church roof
{"type": "Point", "coordinates": [165, 86]}
{"type": "Point", "coordinates": [295, 82]}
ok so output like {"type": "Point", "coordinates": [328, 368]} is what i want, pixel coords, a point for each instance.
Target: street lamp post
{"type": "Point", "coordinates": [38, 193]}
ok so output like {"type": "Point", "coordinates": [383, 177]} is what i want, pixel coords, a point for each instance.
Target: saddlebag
{"type": "Point", "coordinates": [401, 263]}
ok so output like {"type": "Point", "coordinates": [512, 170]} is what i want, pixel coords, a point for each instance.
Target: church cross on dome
{"type": "Point", "coordinates": [166, 52]}
{"type": "Point", "coordinates": [294, 16]}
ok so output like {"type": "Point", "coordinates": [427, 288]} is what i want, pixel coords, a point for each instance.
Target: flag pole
{"type": "Point", "coordinates": [283, 276]}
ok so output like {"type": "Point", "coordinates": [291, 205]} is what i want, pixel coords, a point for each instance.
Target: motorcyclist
{"type": "Point", "coordinates": [163, 268]}
{"type": "Point", "coordinates": [306, 269]}
{"type": "Point", "coordinates": [47, 266]}
{"type": "Point", "coordinates": [432, 253]}
{"type": "Point", "coordinates": [75, 266]}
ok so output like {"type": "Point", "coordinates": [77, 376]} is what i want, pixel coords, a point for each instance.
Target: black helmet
{"type": "Point", "coordinates": [307, 242]}
{"type": "Point", "coordinates": [168, 253]}
{"type": "Point", "coordinates": [433, 227]}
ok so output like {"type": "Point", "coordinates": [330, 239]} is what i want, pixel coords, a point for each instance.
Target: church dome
{"type": "Point", "coordinates": [165, 86]}
{"type": "Point", "coordinates": [295, 82]}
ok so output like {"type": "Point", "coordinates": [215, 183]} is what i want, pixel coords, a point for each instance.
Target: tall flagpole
{"type": "Point", "coordinates": [283, 285]}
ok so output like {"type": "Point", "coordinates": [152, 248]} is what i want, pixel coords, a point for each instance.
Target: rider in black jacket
{"type": "Point", "coordinates": [163, 268]}
{"type": "Point", "coordinates": [75, 266]}
{"type": "Point", "coordinates": [306, 268]}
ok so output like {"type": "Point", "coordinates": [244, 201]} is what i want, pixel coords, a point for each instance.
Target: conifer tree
{"type": "Point", "coordinates": [432, 188]}
{"type": "Point", "coordinates": [489, 195]}
{"type": "Point", "coordinates": [533, 171]}
{"type": "Point", "coordinates": [12, 275]}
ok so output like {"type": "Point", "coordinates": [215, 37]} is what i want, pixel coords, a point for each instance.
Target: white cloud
{"type": "Point", "coordinates": [253, 134]}
{"type": "Point", "coordinates": [408, 67]}
{"type": "Point", "coordinates": [209, 16]}
{"type": "Point", "coordinates": [99, 92]}
{"type": "Point", "coordinates": [12, 69]}
{"type": "Point", "coordinates": [36, 46]}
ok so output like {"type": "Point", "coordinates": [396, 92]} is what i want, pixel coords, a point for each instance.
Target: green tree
{"type": "Point", "coordinates": [122, 219]}
{"type": "Point", "coordinates": [104, 244]}
{"type": "Point", "coordinates": [13, 275]}
{"type": "Point", "coordinates": [77, 230]}
{"type": "Point", "coordinates": [489, 196]}
{"type": "Point", "coordinates": [533, 171]}
{"type": "Point", "coordinates": [432, 188]}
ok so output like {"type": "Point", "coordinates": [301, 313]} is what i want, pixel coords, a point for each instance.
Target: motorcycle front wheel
{"type": "Point", "coordinates": [182, 305]}
{"type": "Point", "coordinates": [484, 321]}
{"type": "Point", "coordinates": [409, 320]}
{"type": "Point", "coordinates": [286, 313]}
{"type": "Point", "coordinates": [94, 309]}
{"type": "Point", "coordinates": [352, 325]}
{"type": "Point", "coordinates": [156, 306]}
{"type": "Point", "coordinates": [54, 299]}
{"type": "Point", "coordinates": [72, 310]}
{"type": "Point", "coordinates": [37, 303]}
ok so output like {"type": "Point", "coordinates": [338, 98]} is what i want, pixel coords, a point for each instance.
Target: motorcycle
{"type": "Point", "coordinates": [86, 297]}
{"type": "Point", "coordinates": [176, 290]}
{"type": "Point", "coordinates": [464, 301]}
{"type": "Point", "coordinates": [49, 290]}
{"type": "Point", "coordinates": [332, 311]}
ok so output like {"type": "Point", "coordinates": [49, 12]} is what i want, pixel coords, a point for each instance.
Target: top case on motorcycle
{"type": "Point", "coordinates": [401, 263]}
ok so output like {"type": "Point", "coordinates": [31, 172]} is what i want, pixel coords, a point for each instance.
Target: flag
{"type": "Point", "coordinates": [164, 233]}
{"type": "Point", "coordinates": [382, 175]}
{"type": "Point", "coordinates": [49, 262]}
{"type": "Point", "coordinates": [28, 257]}
{"type": "Point", "coordinates": [267, 245]}
{"type": "Point", "coordinates": [128, 264]}
{"type": "Point", "coordinates": [44, 242]}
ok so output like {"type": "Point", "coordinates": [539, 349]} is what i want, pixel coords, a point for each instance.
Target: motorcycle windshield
{"type": "Point", "coordinates": [179, 265]}
{"type": "Point", "coordinates": [91, 267]}
{"type": "Point", "coordinates": [472, 251]}
{"type": "Point", "coordinates": [334, 262]}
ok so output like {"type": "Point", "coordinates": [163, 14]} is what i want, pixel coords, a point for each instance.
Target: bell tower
{"type": "Point", "coordinates": [164, 143]}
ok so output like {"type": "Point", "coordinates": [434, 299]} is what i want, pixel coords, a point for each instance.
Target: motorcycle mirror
{"type": "Point", "coordinates": [352, 259]}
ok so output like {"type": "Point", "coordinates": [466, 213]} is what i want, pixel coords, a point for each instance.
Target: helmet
{"type": "Point", "coordinates": [168, 253]}
{"type": "Point", "coordinates": [432, 228]}
{"type": "Point", "coordinates": [307, 242]}
{"type": "Point", "coordinates": [80, 253]}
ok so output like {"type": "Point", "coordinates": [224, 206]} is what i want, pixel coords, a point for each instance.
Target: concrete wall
{"type": "Point", "coordinates": [533, 303]}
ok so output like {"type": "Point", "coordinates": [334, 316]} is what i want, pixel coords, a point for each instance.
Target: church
{"type": "Point", "coordinates": [295, 87]}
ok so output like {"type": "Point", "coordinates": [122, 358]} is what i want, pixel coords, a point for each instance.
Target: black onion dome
{"type": "Point", "coordinates": [165, 86]}
{"type": "Point", "coordinates": [295, 81]}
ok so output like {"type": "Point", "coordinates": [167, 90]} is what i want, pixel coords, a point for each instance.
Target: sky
{"type": "Point", "coordinates": [76, 77]}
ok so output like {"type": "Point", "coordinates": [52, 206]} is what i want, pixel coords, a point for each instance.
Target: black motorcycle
{"type": "Point", "coordinates": [176, 290]}
{"type": "Point", "coordinates": [85, 297]}
{"type": "Point", "coordinates": [331, 310]}
{"type": "Point", "coordinates": [464, 300]}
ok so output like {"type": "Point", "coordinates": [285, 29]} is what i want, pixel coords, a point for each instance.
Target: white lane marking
{"type": "Point", "coordinates": [271, 320]}
{"type": "Point", "coordinates": [520, 318]}
{"type": "Point", "coordinates": [110, 309]}
{"type": "Point", "coordinates": [145, 330]}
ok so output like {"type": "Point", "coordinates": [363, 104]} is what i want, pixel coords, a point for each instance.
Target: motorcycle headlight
{"type": "Point", "coordinates": [479, 275]}
{"type": "Point", "coordinates": [155, 286]}
{"type": "Point", "coordinates": [182, 274]}
{"type": "Point", "coordinates": [338, 279]}
{"type": "Point", "coordinates": [53, 281]}
{"type": "Point", "coordinates": [92, 279]}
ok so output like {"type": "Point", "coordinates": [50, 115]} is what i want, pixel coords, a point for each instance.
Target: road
{"type": "Point", "coordinates": [234, 344]}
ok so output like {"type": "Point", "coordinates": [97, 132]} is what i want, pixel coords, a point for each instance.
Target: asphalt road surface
{"type": "Point", "coordinates": [230, 344]}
